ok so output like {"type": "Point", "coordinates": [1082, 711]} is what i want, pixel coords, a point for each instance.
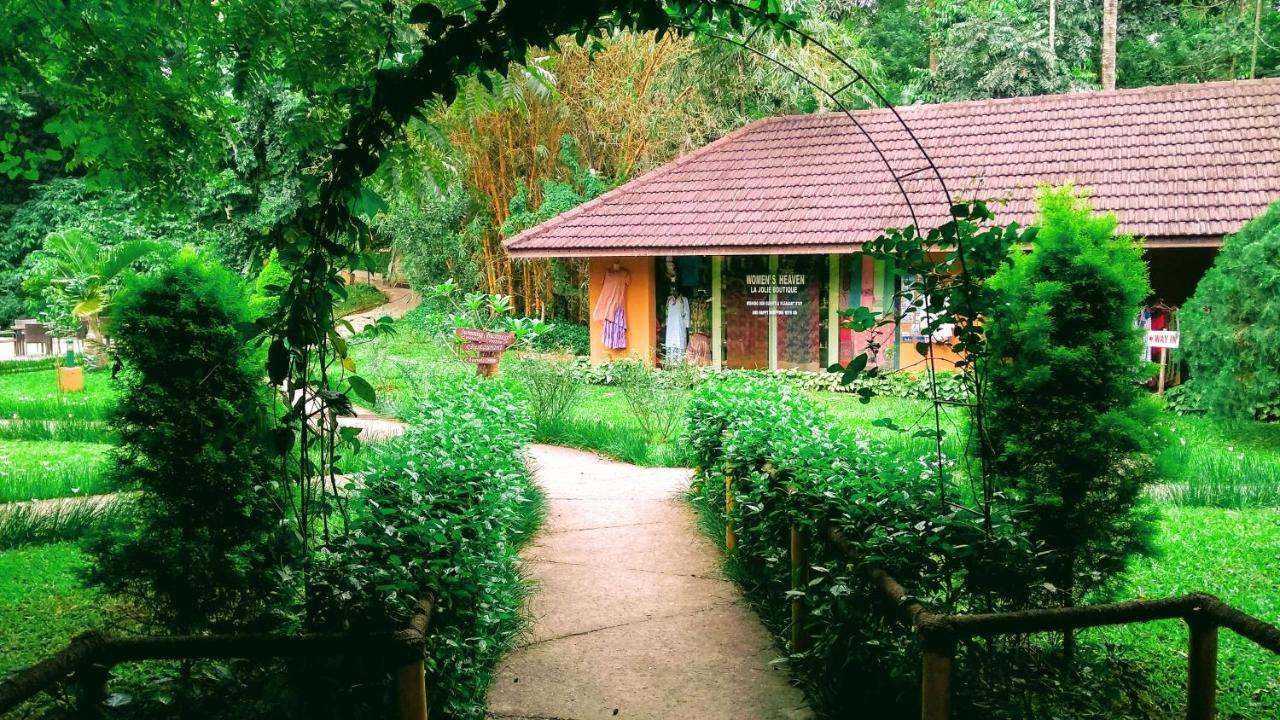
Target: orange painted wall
{"type": "Point", "coordinates": [642, 310]}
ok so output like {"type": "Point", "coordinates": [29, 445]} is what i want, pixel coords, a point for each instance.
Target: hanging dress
{"type": "Point", "coordinates": [677, 335]}
{"type": "Point", "coordinates": [611, 308]}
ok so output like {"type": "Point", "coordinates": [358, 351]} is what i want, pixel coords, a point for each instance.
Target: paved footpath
{"type": "Point", "coordinates": [632, 617]}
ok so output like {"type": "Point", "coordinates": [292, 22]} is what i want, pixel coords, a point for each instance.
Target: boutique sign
{"type": "Point", "coordinates": [780, 284]}
{"type": "Point", "coordinates": [775, 287]}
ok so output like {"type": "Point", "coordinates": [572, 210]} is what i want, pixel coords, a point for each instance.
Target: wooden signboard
{"type": "Point", "coordinates": [488, 345]}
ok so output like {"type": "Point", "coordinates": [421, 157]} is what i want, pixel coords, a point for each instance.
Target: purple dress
{"type": "Point", "coordinates": [615, 330]}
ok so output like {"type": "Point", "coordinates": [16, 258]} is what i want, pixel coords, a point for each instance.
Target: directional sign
{"type": "Point", "coordinates": [483, 348]}
{"type": "Point", "coordinates": [505, 339]}
{"type": "Point", "coordinates": [482, 360]}
{"type": "Point", "coordinates": [1162, 338]}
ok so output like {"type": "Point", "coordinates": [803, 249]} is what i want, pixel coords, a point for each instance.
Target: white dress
{"type": "Point", "coordinates": [677, 337]}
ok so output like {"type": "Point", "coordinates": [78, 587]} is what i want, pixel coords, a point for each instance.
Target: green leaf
{"type": "Point", "coordinates": [277, 361]}
{"type": "Point", "coordinates": [363, 389]}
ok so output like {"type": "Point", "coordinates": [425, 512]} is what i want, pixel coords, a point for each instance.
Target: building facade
{"type": "Point", "coordinates": [742, 253]}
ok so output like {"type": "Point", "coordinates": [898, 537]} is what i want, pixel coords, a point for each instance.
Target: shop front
{"type": "Point", "coordinates": [742, 253]}
{"type": "Point", "coordinates": [761, 312]}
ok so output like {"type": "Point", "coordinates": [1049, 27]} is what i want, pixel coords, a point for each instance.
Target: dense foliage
{"type": "Point", "coordinates": [1231, 326]}
{"type": "Point", "coordinates": [440, 513]}
{"type": "Point", "coordinates": [791, 464]}
{"type": "Point", "coordinates": [191, 423]}
{"type": "Point", "coordinates": [1072, 430]}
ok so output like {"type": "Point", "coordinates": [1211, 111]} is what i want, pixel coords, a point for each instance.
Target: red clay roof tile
{"type": "Point", "coordinates": [1180, 164]}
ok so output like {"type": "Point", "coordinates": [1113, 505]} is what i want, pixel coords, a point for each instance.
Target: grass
{"type": "Point", "coordinates": [43, 603]}
{"type": "Point", "coordinates": [400, 367]}
{"type": "Point", "coordinates": [35, 396]}
{"type": "Point", "coordinates": [1212, 462]}
{"type": "Point", "coordinates": [45, 521]}
{"type": "Point", "coordinates": [88, 431]}
{"type": "Point", "coordinates": [359, 299]}
{"type": "Point", "coordinates": [1234, 554]}
{"type": "Point", "coordinates": [31, 470]}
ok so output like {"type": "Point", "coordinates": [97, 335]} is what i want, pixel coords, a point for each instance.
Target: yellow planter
{"type": "Point", "coordinates": [70, 379]}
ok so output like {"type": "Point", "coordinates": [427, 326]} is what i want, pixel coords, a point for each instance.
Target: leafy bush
{"type": "Point", "coordinates": [359, 299]}
{"type": "Point", "coordinates": [656, 398]}
{"type": "Point", "coordinates": [565, 338]}
{"type": "Point", "coordinates": [1070, 430]}
{"type": "Point", "coordinates": [791, 464]}
{"type": "Point", "coordinates": [1186, 399]}
{"type": "Point", "coordinates": [190, 422]}
{"type": "Point", "coordinates": [441, 512]}
{"type": "Point", "coordinates": [551, 389]}
{"type": "Point", "coordinates": [1231, 325]}
{"type": "Point", "coordinates": [911, 386]}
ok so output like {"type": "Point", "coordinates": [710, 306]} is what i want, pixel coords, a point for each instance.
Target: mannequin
{"type": "Point", "coordinates": [677, 330]}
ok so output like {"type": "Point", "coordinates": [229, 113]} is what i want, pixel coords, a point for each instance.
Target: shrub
{"type": "Point", "coordinates": [551, 389]}
{"type": "Point", "coordinates": [190, 422]}
{"type": "Point", "coordinates": [656, 398]}
{"type": "Point", "coordinates": [1231, 325]}
{"type": "Point", "coordinates": [1070, 430]}
{"type": "Point", "coordinates": [791, 464]}
{"type": "Point", "coordinates": [565, 338]}
{"type": "Point", "coordinates": [1186, 399]}
{"type": "Point", "coordinates": [442, 512]}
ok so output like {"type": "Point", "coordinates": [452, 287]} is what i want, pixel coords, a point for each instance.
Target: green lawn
{"type": "Point", "coordinates": [401, 367]}
{"type": "Point", "coordinates": [32, 469]}
{"type": "Point", "coordinates": [1234, 554]}
{"type": "Point", "coordinates": [43, 603]}
{"type": "Point", "coordinates": [35, 396]}
{"type": "Point", "coordinates": [359, 299]}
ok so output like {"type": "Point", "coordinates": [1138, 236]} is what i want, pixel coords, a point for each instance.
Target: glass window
{"type": "Point", "coordinates": [746, 312]}
{"type": "Point", "coordinates": [800, 309]}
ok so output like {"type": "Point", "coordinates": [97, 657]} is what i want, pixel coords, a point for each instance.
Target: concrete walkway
{"type": "Point", "coordinates": [632, 617]}
{"type": "Point", "coordinates": [399, 301]}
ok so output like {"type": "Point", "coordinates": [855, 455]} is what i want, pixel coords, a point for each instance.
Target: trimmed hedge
{"type": "Point", "coordinates": [791, 463]}
{"type": "Point", "coordinates": [442, 511]}
{"type": "Point", "coordinates": [8, 367]}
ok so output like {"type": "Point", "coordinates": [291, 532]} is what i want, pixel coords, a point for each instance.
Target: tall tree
{"type": "Point", "coordinates": [1107, 64]}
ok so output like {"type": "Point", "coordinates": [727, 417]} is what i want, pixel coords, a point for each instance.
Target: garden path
{"type": "Point", "coordinates": [632, 616]}
{"type": "Point", "coordinates": [399, 301]}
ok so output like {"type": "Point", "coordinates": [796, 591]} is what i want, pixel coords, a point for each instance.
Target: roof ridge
{"type": "Point", "coordinates": [649, 176]}
{"type": "Point", "coordinates": [1039, 99]}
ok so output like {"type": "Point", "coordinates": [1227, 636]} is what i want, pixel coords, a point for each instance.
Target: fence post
{"type": "Point", "coordinates": [730, 538]}
{"type": "Point", "coordinates": [91, 689]}
{"type": "Point", "coordinates": [411, 688]}
{"type": "Point", "coordinates": [799, 579]}
{"type": "Point", "coordinates": [935, 676]}
{"type": "Point", "coordinates": [1202, 668]}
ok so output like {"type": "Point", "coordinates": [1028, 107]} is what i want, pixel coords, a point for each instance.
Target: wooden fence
{"type": "Point", "coordinates": [938, 634]}
{"type": "Point", "coordinates": [88, 660]}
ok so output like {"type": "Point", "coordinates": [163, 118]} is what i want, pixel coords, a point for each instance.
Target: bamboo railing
{"type": "Point", "coordinates": [939, 633]}
{"type": "Point", "coordinates": [87, 661]}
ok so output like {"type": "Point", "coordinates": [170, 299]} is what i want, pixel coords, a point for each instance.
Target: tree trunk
{"type": "Point", "coordinates": [933, 39]}
{"type": "Point", "coordinates": [1107, 69]}
{"type": "Point", "coordinates": [1053, 27]}
{"type": "Point", "coordinates": [1257, 34]}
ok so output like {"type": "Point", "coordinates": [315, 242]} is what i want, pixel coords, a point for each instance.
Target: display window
{"type": "Point", "coordinates": [758, 311]}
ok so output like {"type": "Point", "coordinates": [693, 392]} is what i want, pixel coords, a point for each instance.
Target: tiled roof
{"type": "Point", "coordinates": [1179, 165]}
